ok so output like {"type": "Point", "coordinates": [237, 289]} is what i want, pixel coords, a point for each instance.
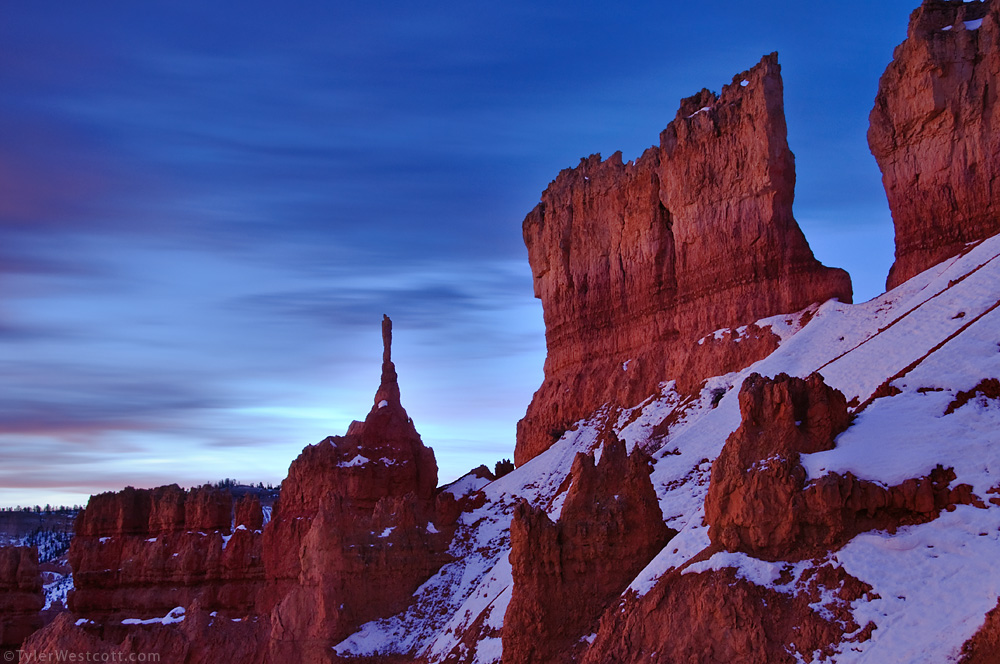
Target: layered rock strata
{"type": "Point", "coordinates": [935, 133]}
{"type": "Point", "coordinates": [21, 598]}
{"type": "Point", "coordinates": [357, 528]}
{"type": "Point", "coordinates": [138, 553]}
{"type": "Point", "coordinates": [635, 262]}
{"type": "Point", "coordinates": [760, 500]}
{"type": "Point", "coordinates": [567, 573]}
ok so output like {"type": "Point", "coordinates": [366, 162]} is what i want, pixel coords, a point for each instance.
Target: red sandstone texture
{"type": "Point", "coordinates": [139, 553]}
{"type": "Point", "coordinates": [985, 645]}
{"type": "Point", "coordinates": [718, 617]}
{"type": "Point", "coordinates": [567, 573]}
{"type": "Point", "coordinates": [200, 638]}
{"type": "Point", "coordinates": [21, 597]}
{"type": "Point", "coordinates": [635, 262]}
{"type": "Point", "coordinates": [357, 529]}
{"type": "Point", "coordinates": [936, 136]}
{"type": "Point", "coordinates": [359, 525]}
{"type": "Point", "coordinates": [759, 501]}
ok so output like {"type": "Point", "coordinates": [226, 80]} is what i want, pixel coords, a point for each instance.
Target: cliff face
{"type": "Point", "coordinates": [139, 553]}
{"type": "Point", "coordinates": [935, 133]}
{"type": "Point", "coordinates": [566, 573]}
{"type": "Point", "coordinates": [21, 597]}
{"type": "Point", "coordinates": [635, 262]}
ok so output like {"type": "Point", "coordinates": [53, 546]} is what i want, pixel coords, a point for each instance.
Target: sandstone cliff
{"type": "Point", "coordinates": [936, 134]}
{"type": "Point", "coordinates": [138, 553]}
{"type": "Point", "coordinates": [635, 262]}
{"type": "Point", "coordinates": [20, 595]}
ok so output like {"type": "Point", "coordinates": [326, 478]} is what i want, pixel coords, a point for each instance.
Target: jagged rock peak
{"type": "Point", "coordinates": [387, 395]}
{"type": "Point", "coordinates": [935, 135]}
{"type": "Point", "coordinates": [634, 263]}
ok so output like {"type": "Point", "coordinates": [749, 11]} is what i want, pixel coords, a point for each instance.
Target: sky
{"type": "Point", "coordinates": [205, 209]}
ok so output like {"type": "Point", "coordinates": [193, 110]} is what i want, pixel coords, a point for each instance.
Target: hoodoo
{"type": "Point", "coordinates": [635, 262]}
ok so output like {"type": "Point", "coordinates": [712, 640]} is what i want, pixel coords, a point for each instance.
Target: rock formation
{"type": "Point", "coordinates": [936, 134]}
{"type": "Point", "coordinates": [635, 262]}
{"type": "Point", "coordinates": [716, 616]}
{"type": "Point", "coordinates": [138, 553]}
{"type": "Point", "coordinates": [359, 525]}
{"type": "Point", "coordinates": [759, 501]}
{"type": "Point", "coordinates": [356, 529]}
{"type": "Point", "coordinates": [21, 597]}
{"type": "Point", "coordinates": [567, 573]}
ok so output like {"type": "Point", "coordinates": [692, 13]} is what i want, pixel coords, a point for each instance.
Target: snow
{"type": "Point", "coordinates": [383, 403]}
{"type": "Point", "coordinates": [932, 337]}
{"type": "Point", "coordinates": [700, 110]}
{"type": "Point", "coordinates": [57, 589]}
{"type": "Point", "coordinates": [356, 461]}
{"type": "Point", "coordinates": [974, 24]}
{"type": "Point", "coordinates": [744, 83]}
{"type": "Point", "coordinates": [431, 529]}
{"type": "Point", "coordinates": [175, 615]}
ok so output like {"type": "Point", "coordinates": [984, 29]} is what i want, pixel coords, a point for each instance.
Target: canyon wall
{"type": "Point", "coordinates": [138, 553]}
{"type": "Point", "coordinates": [635, 262]}
{"type": "Point", "coordinates": [21, 597]}
{"type": "Point", "coordinates": [935, 133]}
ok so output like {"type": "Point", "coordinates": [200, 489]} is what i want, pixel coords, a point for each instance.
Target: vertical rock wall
{"type": "Point", "coordinates": [935, 132]}
{"type": "Point", "coordinates": [635, 262]}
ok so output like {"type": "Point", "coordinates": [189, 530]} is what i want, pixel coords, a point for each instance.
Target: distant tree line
{"type": "Point", "coordinates": [48, 509]}
{"type": "Point", "coordinates": [230, 483]}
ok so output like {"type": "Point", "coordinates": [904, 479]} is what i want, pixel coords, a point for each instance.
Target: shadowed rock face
{"type": "Point", "coordinates": [935, 133]}
{"type": "Point", "coordinates": [21, 597]}
{"type": "Point", "coordinates": [635, 262]}
{"type": "Point", "coordinates": [566, 573]}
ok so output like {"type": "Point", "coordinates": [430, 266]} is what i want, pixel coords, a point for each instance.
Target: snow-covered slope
{"type": "Point", "coordinates": [928, 343]}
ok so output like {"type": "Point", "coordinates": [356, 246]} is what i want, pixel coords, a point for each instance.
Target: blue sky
{"type": "Point", "coordinates": [205, 209]}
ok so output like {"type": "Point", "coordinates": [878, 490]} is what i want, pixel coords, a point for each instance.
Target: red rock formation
{"type": "Point", "coordinates": [21, 597]}
{"type": "Point", "coordinates": [936, 136]}
{"type": "Point", "coordinates": [983, 647]}
{"type": "Point", "coordinates": [758, 501]}
{"type": "Point", "coordinates": [635, 262]}
{"type": "Point", "coordinates": [718, 617]}
{"type": "Point", "coordinates": [566, 573]}
{"type": "Point", "coordinates": [139, 553]}
{"type": "Point", "coordinates": [200, 638]}
{"type": "Point", "coordinates": [356, 530]}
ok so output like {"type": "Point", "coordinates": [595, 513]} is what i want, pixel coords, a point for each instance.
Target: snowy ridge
{"type": "Point", "coordinates": [924, 342]}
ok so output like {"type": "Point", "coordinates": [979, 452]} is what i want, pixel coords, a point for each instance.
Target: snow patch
{"type": "Point", "coordinates": [175, 615]}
